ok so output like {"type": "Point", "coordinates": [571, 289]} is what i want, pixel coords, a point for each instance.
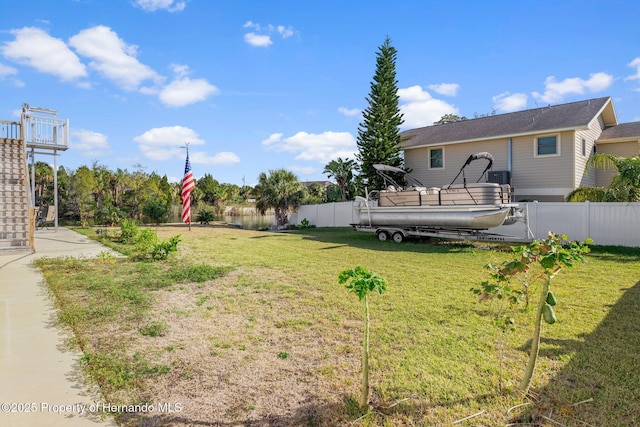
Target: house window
{"type": "Point", "coordinates": [584, 147]}
{"type": "Point", "coordinates": [547, 146]}
{"type": "Point", "coordinates": [436, 158]}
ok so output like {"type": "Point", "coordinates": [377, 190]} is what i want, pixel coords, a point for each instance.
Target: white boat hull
{"type": "Point", "coordinates": [475, 217]}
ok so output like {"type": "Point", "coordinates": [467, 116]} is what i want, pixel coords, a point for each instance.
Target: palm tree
{"type": "Point", "coordinates": [624, 187]}
{"type": "Point", "coordinates": [280, 191]}
{"type": "Point", "coordinates": [342, 171]}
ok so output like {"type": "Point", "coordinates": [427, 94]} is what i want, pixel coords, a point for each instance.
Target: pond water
{"type": "Point", "coordinates": [249, 222]}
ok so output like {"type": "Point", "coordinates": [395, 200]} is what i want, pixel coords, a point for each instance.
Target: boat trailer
{"type": "Point", "coordinates": [399, 234]}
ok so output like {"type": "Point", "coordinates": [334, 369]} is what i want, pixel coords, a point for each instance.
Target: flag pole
{"type": "Point", "coordinates": [186, 145]}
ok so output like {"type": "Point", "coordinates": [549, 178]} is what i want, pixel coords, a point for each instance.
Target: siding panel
{"type": "Point", "coordinates": [624, 149]}
{"type": "Point", "coordinates": [455, 155]}
{"type": "Point", "coordinates": [545, 171]}
{"type": "Point", "coordinates": [590, 136]}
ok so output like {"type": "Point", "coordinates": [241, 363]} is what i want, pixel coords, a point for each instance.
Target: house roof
{"type": "Point", "coordinates": [574, 115]}
{"type": "Point", "coordinates": [629, 130]}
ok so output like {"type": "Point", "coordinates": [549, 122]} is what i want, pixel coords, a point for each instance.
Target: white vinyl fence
{"type": "Point", "coordinates": [606, 223]}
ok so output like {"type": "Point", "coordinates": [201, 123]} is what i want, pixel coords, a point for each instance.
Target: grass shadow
{"type": "Point", "coordinates": [364, 240]}
{"type": "Point", "coordinates": [269, 235]}
{"type": "Point", "coordinates": [618, 254]}
{"type": "Point", "coordinates": [604, 371]}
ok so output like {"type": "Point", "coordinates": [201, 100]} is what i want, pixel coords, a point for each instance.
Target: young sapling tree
{"type": "Point", "coordinates": [552, 255]}
{"type": "Point", "coordinates": [361, 281]}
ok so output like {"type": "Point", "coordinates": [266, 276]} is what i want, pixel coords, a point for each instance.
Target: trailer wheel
{"type": "Point", "coordinates": [383, 236]}
{"type": "Point", "coordinates": [398, 237]}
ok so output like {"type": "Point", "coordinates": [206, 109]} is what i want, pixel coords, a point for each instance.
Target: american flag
{"type": "Point", "coordinates": [188, 184]}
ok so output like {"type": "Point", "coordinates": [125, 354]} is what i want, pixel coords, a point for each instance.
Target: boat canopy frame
{"type": "Point", "coordinates": [471, 158]}
{"type": "Point", "coordinates": [385, 170]}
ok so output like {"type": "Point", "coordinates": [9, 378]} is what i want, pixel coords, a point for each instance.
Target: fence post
{"type": "Point", "coordinates": [588, 215]}
{"type": "Point", "coordinates": [333, 219]}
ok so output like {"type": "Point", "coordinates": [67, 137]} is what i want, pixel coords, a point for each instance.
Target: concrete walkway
{"type": "Point", "coordinates": [40, 380]}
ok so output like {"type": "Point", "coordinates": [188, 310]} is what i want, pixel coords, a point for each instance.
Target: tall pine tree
{"type": "Point", "coordinates": [378, 133]}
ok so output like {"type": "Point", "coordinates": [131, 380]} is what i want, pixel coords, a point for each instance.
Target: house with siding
{"type": "Point", "coordinates": [541, 152]}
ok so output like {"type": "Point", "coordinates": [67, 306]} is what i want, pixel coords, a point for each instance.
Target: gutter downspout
{"type": "Point", "coordinates": [512, 194]}
{"type": "Point", "coordinates": [509, 153]}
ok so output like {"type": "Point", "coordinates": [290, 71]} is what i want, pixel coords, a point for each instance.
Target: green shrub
{"type": "Point", "coordinates": [205, 216]}
{"type": "Point", "coordinates": [591, 194]}
{"type": "Point", "coordinates": [162, 250]}
{"type": "Point", "coordinates": [128, 230]}
{"type": "Point", "coordinates": [145, 240]}
{"type": "Point", "coordinates": [304, 223]}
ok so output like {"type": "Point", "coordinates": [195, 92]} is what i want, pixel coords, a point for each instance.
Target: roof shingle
{"type": "Point", "coordinates": [623, 130]}
{"type": "Point", "coordinates": [563, 116]}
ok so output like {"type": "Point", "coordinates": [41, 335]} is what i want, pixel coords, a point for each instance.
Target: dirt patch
{"type": "Point", "coordinates": [241, 353]}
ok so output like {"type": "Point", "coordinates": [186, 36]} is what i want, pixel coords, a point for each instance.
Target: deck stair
{"type": "Point", "coordinates": [14, 204]}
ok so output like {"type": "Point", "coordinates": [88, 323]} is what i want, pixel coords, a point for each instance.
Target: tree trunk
{"type": "Point", "coordinates": [535, 340]}
{"type": "Point", "coordinates": [364, 400]}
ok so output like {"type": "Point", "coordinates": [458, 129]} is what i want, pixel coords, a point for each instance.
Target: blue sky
{"type": "Point", "coordinates": [260, 85]}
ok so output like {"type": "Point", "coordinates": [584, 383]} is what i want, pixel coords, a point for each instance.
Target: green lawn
{"type": "Point", "coordinates": [268, 337]}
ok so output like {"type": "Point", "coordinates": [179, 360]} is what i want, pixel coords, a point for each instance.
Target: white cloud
{"type": "Point", "coordinates": [419, 108]}
{"type": "Point", "coordinates": [447, 89]}
{"type": "Point", "coordinates": [303, 170]}
{"type": "Point", "coordinates": [92, 144]}
{"type": "Point", "coordinates": [7, 71]}
{"type": "Point", "coordinates": [508, 102]}
{"type": "Point", "coordinates": [284, 31]}
{"type": "Point", "coordinates": [261, 35]}
{"type": "Point", "coordinates": [555, 90]}
{"type": "Point", "coordinates": [321, 148]}
{"type": "Point", "coordinates": [257, 40]}
{"type": "Point", "coordinates": [167, 143]}
{"type": "Point", "coordinates": [634, 64]}
{"type": "Point", "coordinates": [180, 70]}
{"type": "Point", "coordinates": [112, 57]}
{"type": "Point", "coordinates": [169, 5]}
{"type": "Point", "coordinates": [184, 91]}
{"type": "Point", "coordinates": [37, 49]}
{"type": "Point", "coordinates": [222, 158]}
{"type": "Point", "coordinates": [349, 112]}
{"type": "Point", "coordinates": [273, 138]}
